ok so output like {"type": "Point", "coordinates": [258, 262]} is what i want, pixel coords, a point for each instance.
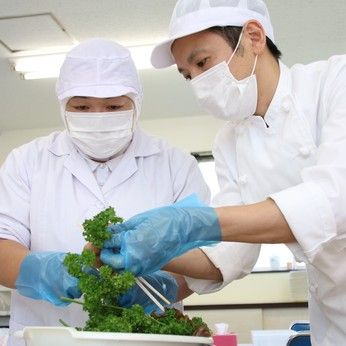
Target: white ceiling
{"type": "Point", "coordinates": [306, 30]}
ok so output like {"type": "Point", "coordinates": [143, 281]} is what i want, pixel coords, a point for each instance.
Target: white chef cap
{"type": "Point", "coordinates": [99, 68]}
{"type": "Point", "coordinates": [192, 16]}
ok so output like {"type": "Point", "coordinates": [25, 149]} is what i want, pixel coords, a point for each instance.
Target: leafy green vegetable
{"type": "Point", "coordinates": [95, 230]}
{"type": "Point", "coordinates": [102, 287]}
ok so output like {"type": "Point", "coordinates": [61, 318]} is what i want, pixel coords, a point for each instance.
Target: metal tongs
{"type": "Point", "coordinates": [145, 286]}
{"type": "Point", "coordinates": [149, 290]}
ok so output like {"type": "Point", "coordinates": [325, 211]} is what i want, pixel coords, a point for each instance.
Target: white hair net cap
{"type": "Point", "coordinates": [192, 16]}
{"type": "Point", "coordinates": [99, 68]}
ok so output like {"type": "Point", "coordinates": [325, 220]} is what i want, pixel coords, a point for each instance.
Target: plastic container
{"type": "Point", "coordinates": [277, 337]}
{"type": "Point", "coordinates": [58, 336]}
{"type": "Point", "coordinates": [225, 340]}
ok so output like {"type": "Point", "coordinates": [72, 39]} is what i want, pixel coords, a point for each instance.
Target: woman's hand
{"type": "Point", "coordinates": [96, 251]}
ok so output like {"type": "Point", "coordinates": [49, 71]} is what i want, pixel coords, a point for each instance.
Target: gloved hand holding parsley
{"type": "Point", "coordinates": [43, 276]}
{"type": "Point", "coordinates": [163, 282]}
{"type": "Point", "coordinates": [148, 241]}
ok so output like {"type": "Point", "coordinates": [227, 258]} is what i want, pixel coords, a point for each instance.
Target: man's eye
{"type": "Point", "coordinates": [202, 62]}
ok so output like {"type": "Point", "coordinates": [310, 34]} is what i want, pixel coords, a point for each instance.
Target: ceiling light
{"type": "Point", "coordinates": [40, 66]}
{"type": "Point", "coordinates": [48, 65]}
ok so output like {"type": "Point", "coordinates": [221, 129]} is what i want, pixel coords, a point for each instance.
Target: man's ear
{"type": "Point", "coordinates": [255, 32]}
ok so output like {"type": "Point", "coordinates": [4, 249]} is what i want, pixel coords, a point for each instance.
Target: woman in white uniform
{"type": "Point", "coordinates": [50, 186]}
{"type": "Point", "coordinates": [280, 158]}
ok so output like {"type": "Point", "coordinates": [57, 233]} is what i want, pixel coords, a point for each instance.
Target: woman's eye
{"type": "Point", "coordinates": [114, 107]}
{"type": "Point", "coordinates": [81, 108]}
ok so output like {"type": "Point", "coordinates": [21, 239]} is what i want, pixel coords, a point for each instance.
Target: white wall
{"type": "Point", "coordinates": [189, 134]}
{"type": "Point", "coordinates": [12, 139]}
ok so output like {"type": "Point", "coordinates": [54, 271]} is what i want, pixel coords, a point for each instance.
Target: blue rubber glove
{"type": "Point", "coordinates": [43, 276]}
{"type": "Point", "coordinates": [163, 282]}
{"type": "Point", "coordinates": [148, 241]}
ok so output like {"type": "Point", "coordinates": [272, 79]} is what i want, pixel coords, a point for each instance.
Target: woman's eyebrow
{"type": "Point", "coordinates": [81, 97]}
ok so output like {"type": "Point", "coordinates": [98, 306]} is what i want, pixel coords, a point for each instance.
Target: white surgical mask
{"type": "Point", "coordinates": [101, 135]}
{"type": "Point", "coordinates": [222, 95]}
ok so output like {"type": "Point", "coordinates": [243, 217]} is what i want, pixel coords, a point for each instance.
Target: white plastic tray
{"type": "Point", "coordinates": [58, 336]}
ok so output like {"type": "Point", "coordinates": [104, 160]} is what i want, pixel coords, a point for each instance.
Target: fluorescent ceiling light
{"type": "Point", "coordinates": [48, 65]}
{"type": "Point", "coordinates": [40, 66]}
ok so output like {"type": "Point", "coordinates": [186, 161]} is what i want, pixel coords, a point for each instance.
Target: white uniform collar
{"type": "Point", "coordinates": [282, 94]}
{"type": "Point", "coordinates": [111, 164]}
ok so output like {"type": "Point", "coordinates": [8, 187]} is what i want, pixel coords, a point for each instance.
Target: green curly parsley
{"type": "Point", "coordinates": [102, 288]}
{"type": "Point", "coordinates": [95, 230]}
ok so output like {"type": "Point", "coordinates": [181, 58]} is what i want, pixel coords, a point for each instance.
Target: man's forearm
{"type": "Point", "coordinates": [256, 223]}
{"type": "Point", "coordinates": [11, 256]}
{"type": "Point", "coordinates": [195, 264]}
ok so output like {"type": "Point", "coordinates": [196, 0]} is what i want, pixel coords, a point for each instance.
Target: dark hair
{"type": "Point", "coordinates": [232, 33]}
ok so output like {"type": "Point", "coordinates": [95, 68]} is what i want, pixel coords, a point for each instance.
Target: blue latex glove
{"type": "Point", "coordinates": [148, 241]}
{"type": "Point", "coordinates": [43, 276]}
{"type": "Point", "coordinates": [163, 282]}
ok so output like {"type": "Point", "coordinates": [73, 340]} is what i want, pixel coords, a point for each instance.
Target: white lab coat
{"type": "Point", "coordinates": [299, 160]}
{"type": "Point", "coordinates": [47, 189]}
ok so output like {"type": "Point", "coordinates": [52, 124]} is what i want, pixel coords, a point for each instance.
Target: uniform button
{"type": "Point", "coordinates": [305, 151]}
{"type": "Point", "coordinates": [243, 179]}
{"type": "Point", "coordinates": [286, 105]}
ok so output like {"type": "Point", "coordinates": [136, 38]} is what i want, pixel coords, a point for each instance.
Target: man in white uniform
{"type": "Point", "coordinates": [280, 157]}
{"type": "Point", "coordinates": [50, 186]}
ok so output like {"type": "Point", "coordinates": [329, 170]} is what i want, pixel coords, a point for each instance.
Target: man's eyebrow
{"type": "Point", "coordinates": [194, 53]}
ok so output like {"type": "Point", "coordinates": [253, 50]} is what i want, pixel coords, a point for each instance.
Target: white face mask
{"type": "Point", "coordinates": [222, 95]}
{"type": "Point", "coordinates": [100, 135]}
